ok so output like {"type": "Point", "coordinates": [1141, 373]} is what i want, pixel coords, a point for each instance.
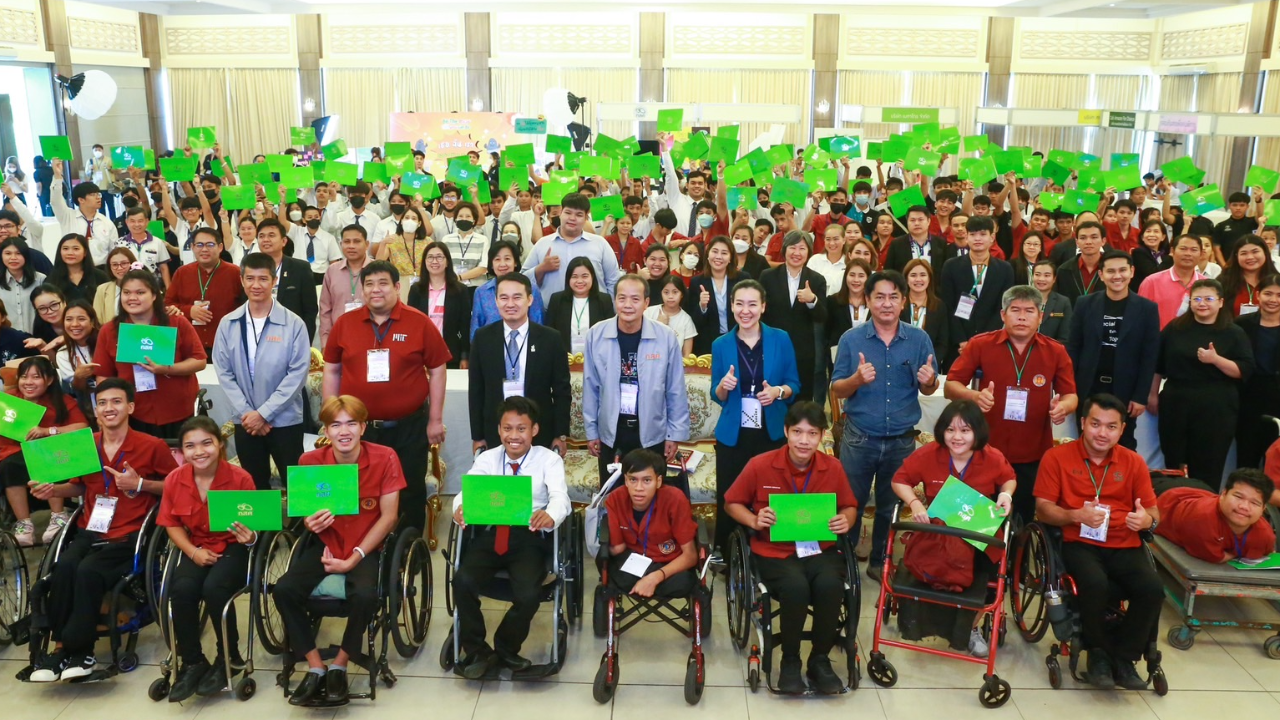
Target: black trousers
{"type": "Point", "coordinates": [1260, 397]}
{"type": "Point", "coordinates": [1197, 425]}
{"type": "Point", "coordinates": [84, 574]}
{"type": "Point", "coordinates": [214, 585]}
{"type": "Point", "coordinates": [13, 471]}
{"type": "Point", "coordinates": [798, 583]}
{"type": "Point", "coordinates": [1024, 502]}
{"type": "Point", "coordinates": [680, 585]}
{"type": "Point", "coordinates": [807, 367]}
{"type": "Point", "coordinates": [1161, 484]}
{"type": "Point", "coordinates": [167, 431]}
{"type": "Point", "coordinates": [608, 453]}
{"type": "Point", "coordinates": [294, 589]}
{"type": "Point", "coordinates": [282, 444]}
{"type": "Point", "coordinates": [409, 439]}
{"type": "Point", "coordinates": [730, 460]}
{"type": "Point", "coordinates": [526, 564]}
{"type": "Point", "coordinates": [1095, 570]}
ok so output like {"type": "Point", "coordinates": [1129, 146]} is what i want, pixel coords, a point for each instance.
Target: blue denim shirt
{"type": "Point", "coordinates": [890, 405]}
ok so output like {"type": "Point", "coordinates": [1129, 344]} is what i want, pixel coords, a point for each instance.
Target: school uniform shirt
{"type": "Point", "coordinates": [681, 324]}
{"type": "Point", "coordinates": [468, 253]}
{"type": "Point", "coordinates": [368, 220]}
{"type": "Point", "coordinates": [415, 346]}
{"type": "Point", "coordinates": [665, 527]}
{"type": "Point", "coordinates": [931, 465]}
{"type": "Point", "coordinates": [98, 230]}
{"type": "Point", "coordinates": [772, 472]}
{"type": "Point", "coordinates": [182, 231]}
{"type": "Point", "coordinates": [150, 457]}
{"type": "Point", "coordinates": [542, 465]}
{"type": "Point", "coordinates": [380, 474]}
{"type": "Point", "coordinates": [1123, 239]}
{"type": "Point", "coordinates": [181, 504]}
{"type": "Point", "coordinates": [221, 288]}
{"type": "Point", "coordinates": [1046, 369]}
{"type": "Point", "coordinates": [1122, 478]}
{"type": "Point", "coordinates": [593, 247]}
{"type": "Point", "coordinates": [323, 247]}
{"type": "Point", "coordinates": [151, 252]}
{"type": "Point", "coordinates": [174, 398]}
{"type": "Point", "coordinates": [10, 447]}
{"type": "Point", "coordinates": [341, 287]}
{"type": "Point", "coordinates": [1191, 519]}
{"type": "Point", "coordinates": [833, 273]}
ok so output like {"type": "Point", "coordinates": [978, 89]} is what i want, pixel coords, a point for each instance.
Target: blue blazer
{"type": "Point", "coordinates": [779, 369]}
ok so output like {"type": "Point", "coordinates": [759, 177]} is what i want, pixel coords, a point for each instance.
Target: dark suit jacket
{"type": "Point", "coordinates": [297, 292]}
{"type": "Point", "coordinates": [1263, 380]}
{"type": "Point", "coordinates": [1063, 251]}
{"type": "Point", "coordinates": [1055, 321]}
{"type": "Point", "coordinates": [559, 315]}
{"type": "Point", "coordinates": [1145, 265]}
{"type": "Point", "coordinates": [936, 326]}
{"type": "Point", "coordinates": [957, 280]}
{"type": "Point", "coordinates": [900, 253]}
{"type": "Point", "coordinates": [1136, 352]}
{"type": "Point", "coordinates": [457, 318]}
{"type": "Point", "coordinates": [1070, 284]}
{"type": "Point", "coordinates": [838, 322]}
{"type": "Point", "coordinates": [708, 323]}
{"type": "Point", "coordinates": [546, 381]}
{"type": "Point", "coordinates": [795, 319]}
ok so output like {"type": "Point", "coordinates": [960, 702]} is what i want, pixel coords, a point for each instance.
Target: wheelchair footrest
{"type": "Point", "coordinates": [96, 676]}
{"type": "Point", "coordinates": [323, 703]}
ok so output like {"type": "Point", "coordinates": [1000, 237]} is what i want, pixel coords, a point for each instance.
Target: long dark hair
{"type": "Point", "coordinates": [92, 340]}
{"type": "Point", "coordinates": [1232, 277]}
{"type": "Point", "coordinates": [28, 272]}
{"type": "Point", "coordinates": [730, 270]}
{"type": "Point", "coordinates": [54, 391]}
{"type": "Point", "coordinates": [574, 264]}
{"type": "Point", "coordinates": [842, 295]}
{"type": "Point", "coordinates": [1188, 319]}
{"type": "Point", "coordinates": [931, 303]}
{"type": "Point", "coordinates": [1022, 268]}
{"type": "Point", "coordinates": [451, 281]}
{"type": "Point", "coordinates": [60, 275]}
{"type": "Point", "coordinates": [148, 278]}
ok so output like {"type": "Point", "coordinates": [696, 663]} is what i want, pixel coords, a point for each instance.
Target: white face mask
{"type": "Point", "coordinates": [690, 262]}
{"type": "Point", "coordinates": [97, 153]}
{"type": "Point", "coordinates": [862, 200]}
{"type": "Point", "coordinates": [260, 207]}
{"type": "Point", "coordinates": [295, 215]}
{"type": "Point", "coordinates": [741, 246]}
{"type": "Point", "coordinates": [409, 226]}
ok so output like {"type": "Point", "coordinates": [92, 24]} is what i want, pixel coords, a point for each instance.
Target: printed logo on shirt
{"type": "Point", "coordinates": [667, 547]}
{"type": "Point", "coordinates": [368, 503]}
{"type": "Point", "coordinates": [1039, 380]}
{"type": "Point", "coordinates": [273, 338]}
{"type": "Point", "coordinates": [653, 356]}
{"type": "Point", "coordinates": [1117, 476]}
{"type": "Point", "coordinates": [399, 337]}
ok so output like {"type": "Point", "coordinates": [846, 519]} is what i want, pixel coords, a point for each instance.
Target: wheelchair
{"type": "Point", "coordinates": [1043, 596]}
{"type": "Point", "coordinates": [615, 611]}
{"type": "Point", "coordinates": [129, 605]}
{"type": "Point", "coordinates": [563, 588]}
{"type": "Point", "coordinates": [405, 592]}
{"type": "Point", "coordinates": [13, 588]}
{"type": "Point", "coordinates": [750, 605]}
{"type": "Point", "coordinates": [985, 595]}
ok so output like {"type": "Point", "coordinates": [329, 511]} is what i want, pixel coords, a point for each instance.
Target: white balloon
{"type": "Point", "coordinates": [96, 96]}
{"type": "Point", "coordinates": [555, 105]}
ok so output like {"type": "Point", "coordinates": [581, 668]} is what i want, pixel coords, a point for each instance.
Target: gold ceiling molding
{"type": "Point", "coordinates": [102, 35]}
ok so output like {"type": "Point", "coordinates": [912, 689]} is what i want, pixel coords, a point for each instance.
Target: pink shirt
{"type": "Point", "coordinates": [1167, 291]}
{"type": "Point", "coordinates": [340, 288]}
{"type": "Point", "coordinates": [435, 303]}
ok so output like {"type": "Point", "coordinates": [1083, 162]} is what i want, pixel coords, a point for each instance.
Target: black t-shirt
{"type": "Point", "coordinates": [1266, 348]}
{"type": "Point", "coordinates": [629, 351]}
{"type": "Point", "coordinates": [1227, 232]}
{"type": "Point", "coordinates": [1112, 318]}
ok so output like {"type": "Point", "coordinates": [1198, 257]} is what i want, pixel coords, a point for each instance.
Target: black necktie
{"type": "Point", "coordinates": [693, 219]}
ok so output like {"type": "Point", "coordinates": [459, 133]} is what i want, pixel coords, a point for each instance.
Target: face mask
{"type": "Point", "coordinates": [838, 209]}
{"type": "Point", "coordinates": [409, 226]}
{"type": "Point", "coordinates": [862, 200]}
{"type": "Point", "coordinates": [357, 202]}
{"type": "Point", "coordinates": [511, 237]}
{"type": "Point", "coordinates": [155, 197]}
{"type": "Point", "coordinates": [555, 221]}
{"type": "Point", "coordinates": [129, 201]}
{"type": "Point", "coordinates": [313, 225]}
{"type": "Point", "coordinates": [211, 195]}
{"type": "Point", "coordinates": [690, 262]}
{"type": "Point", "coordinates": [465, 225]}
{"type": "Point", "coordinates": [398, 209]}
{"type": "Point", "coordinates": [295, 215]}
{"type": "Point", "coordinates": [12, 169]}
{"type": "Point", "coordinates": [260, 207]}
{"type": "Point", "coordinates": [741, 246]}
{"type": "Point", "coordinates": [97, 153]}
{"type": "Point", "coordinates": [705, 221]}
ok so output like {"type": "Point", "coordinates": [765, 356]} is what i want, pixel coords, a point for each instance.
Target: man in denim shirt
{"type": "Point", "coordinates": [881, 368]}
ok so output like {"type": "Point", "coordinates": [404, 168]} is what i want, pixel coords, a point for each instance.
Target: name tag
{"type": "Point", "coordinates": [965, 307]}
{"type": "Point", "coordinates": [103, 511]}
{"type": "Point", "coordinates": [630, 396]}
{"type": "Point", "coordinates": [1186, 302]}
{"type": "Point", "coordinates": [1248, 309]}
{"type": "Point", "coordinates": [143, 379]}
{"type": "Point", "coordinates": [352, 306]}
{"type": "Point", "coordinates": [752, 413]}
{"type": "Point", "coordinates": [1099, 533]}
{"type": "Point", "coordinates": [578, 344]}
{"type": "Point", "coordinates": [512, 388]}
{"type": "Point", "coordinates": [805, 549]}
{"type": "Point", "coordinates": [204, 305]}
{"type": "Point", "coordinates": [378, 364]}
{"type": "Point", "coordinates": [1015, 404]}
{"type": "Point", "coordinates": [636, 564]}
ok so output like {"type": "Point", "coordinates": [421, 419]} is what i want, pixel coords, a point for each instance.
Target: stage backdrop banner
{"type": "Point", "coordinates": [447, 135]}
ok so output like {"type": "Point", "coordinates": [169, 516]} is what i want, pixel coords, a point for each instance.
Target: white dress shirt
{"type": "Point", "coordinates": [522, 342]}
{"type": "Point", "coordinates": [368, 220]}
{"type": "Point", "coordinates": [100, 231]}
{"type": "Point", "coordinates": [543, 465]}
{"type": "Point", "coordinates": [326, 247]}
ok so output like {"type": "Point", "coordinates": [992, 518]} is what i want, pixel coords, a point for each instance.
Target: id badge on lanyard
{"type": "Point", "coordinates": [630, 399]}
{"type": "Point", "coordinates": [378, 362]}
{"type": "Point", "coordinates": [104, 509]}
{"type": "Point", "coordinates": [1015, 404]}
{"type": "Point", "coordinates": [964, 309]}
{"type": "Point", "coordinates": [143, 379]}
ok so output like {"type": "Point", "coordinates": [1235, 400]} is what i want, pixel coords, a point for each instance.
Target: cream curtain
{"type": "Point", "coordinates": [266, 104]}
{"type": "Point", "coordinates": [1177, 94]}
{"type": "Point", "coordinates": [199, 99]}
{"type": "Point", "coordinates": [431, 90]}
{"type": "Point", "coordinates": [1117, 92]}
{"type": "Point", "coordinates": [866, 87]}
{"type": "Point", "coordinates": [781, 87]}
{"type": "Point", "coordinates": [1268, 154]}
{"type": "Point", "coordinates": [364, 99]}
{"type": "Point", "coordinates": [1049, 92]}
{"type": "Point", "coordinates": [521, 90]}
{"type": "Point", "coordinates": [1216, 93]}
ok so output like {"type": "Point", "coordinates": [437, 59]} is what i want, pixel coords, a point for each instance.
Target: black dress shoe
{"type": "Point", "coordinates": [823, 677]}
{"type": "Point", "coordinates": [309, 690]}
{"type": "Point", "coordinates": [189, 677]}
{"type": "Point", "coordinates": [513, 661]}
{"type": "Point", "coordinates": [335, 686]}
{"type": "Point", "coordinates": [478, 665]}
{"type": "Point", "coordinates": [790, 681]}
{"type": "Point", "coordinates": [1127, 676]}
{"type": "Point", "coordinates": [1099, 672]}
{"type": "Point", "coordinates": [874, 570]}
{"type": "Point", "coordinates": [214, 681]}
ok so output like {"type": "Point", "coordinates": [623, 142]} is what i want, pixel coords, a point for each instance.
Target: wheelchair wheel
{"type": "Point", "coordinates": [600, 612]}
{"type": "Point", "coordinates": [693, 682]}
{"type": "Point", "coordinates": [1055, 672]}
{"type": "Point", "coordinates": [269, 564]}
{"type": "Point", "coordinates": [246, 688]}
{"type": "Point", "coordinates": [159, 689]}
{"type": "Point", "coordinates": [994, 693]}
{"type": "Point", "coordinates": [575, 590]}
{"type": "Point", "coordinates": [157, 557]}
{"type": "Point", "coordinates": [13, 586]}
{"type": "Point", "coordinates": [881, 671]}
{"type": "Point", "coordinates": [1272, 647]}
{"type": "Point", "coordinates": [1181, 637]}
{"type": "Point", "coordinates": [1160, 683]}
{"type": "Point", "coordinates": [603, 688]}
{"type": "Point", "coordinates": [411, 593]}
{"type": "Point", "coordinates": [1030, 577]}
{"type": "Point", "coordinates": [450, 548]}
{"type": "Point", "coordinates": [737, 592]}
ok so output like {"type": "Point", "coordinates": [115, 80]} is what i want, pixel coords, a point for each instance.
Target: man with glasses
{"type": "Point", "coordinates": [207, 289]}
{"type": "Point", "coordinates": [85, 219]}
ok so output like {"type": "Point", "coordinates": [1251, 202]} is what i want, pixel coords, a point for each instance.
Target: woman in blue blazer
{"type": "Point", "coordinates": [757, 379]}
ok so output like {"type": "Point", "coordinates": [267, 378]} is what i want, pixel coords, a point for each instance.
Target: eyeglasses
{"type": "Point", "coordinates": [8, 226]}
{"type": "Point", "coordinates": [52, 307]}
{"type": "Point", "coordinates": [123, 264]}
{"type": "Point", "coordinates": [1204, 300]}
{"type": "Point", "coordinates": [205, 245]}
{"type": "Point", "coordinates": [435, 258]}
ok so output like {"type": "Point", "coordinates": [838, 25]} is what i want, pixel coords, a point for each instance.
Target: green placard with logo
{"type": "Point", "coordinates": [1122, 120]}
{"type": "Point", "coordinates": [554, 191]}
{"type": "Point", "coordinates": [742, 198]}
{"type": "Point", "coordinates": [845, 146]}
{"type": "Point", "coordinates": [178, 168]}
{"type": "Point", "coordinates": [55, 147]}
{"type": "Point", "coordinates": [559, 144]}
{"type": "Point", "coordinates": [1059, 174]}
{"type": "Point", "coordinates": [1203, 200]}
{"type": "Point", "coordinates": [202, 138]}
{"type": "Point", "coordinates": [786, 190]}
{"type": "Point", "coordinates": [960, 506]}
{"type": "Point", "coordinates": [670, 120]}
{"type": "Point", "coordinates": [606, 206]}
{"type": "Point", "coordinates": [61, 457]}
{"type": "Point", "coordinates": [903, 200]}
{"type": "Point", "coordinates": [18, 416]}
{"type": "Point", "coordinates": [908, 115]}
{"type": "Point", "coordinates": [1123, 178]}
{"type": "Point", "coordinates": [343, 173]}
{"type": "Point", "coordinates": [1264, 178]}
{"type": "Point", "coordinates": [335, 150]}
{"type": "Point", "coordinates": [374, 172]}
{"type": "Point", "coordinates": [1182, 170]}
{"type": "Point", "coordinates": [521, 155]}
{"type": "Point", "coordinates": [124, 156]}
{"type": "Point", "coordinates": [826, 180]}
{"type": "Point", "coordinates": [737, 173]}
{"type": "Point", "coordinates": [302, 135]}
{"type": "Point", "coordinates": [802, 517]}
{"type": "Point", "coordinates": [258, 510]}
{"type": "Point", "coordinates": [497, 499]}
{"type": "Point", "coordinates": [238, 197]}
{"type": "Point", "coordinates": [313, 488]}
{"type": "Point", "coordinates": [139, 342]}
{"type": "Point", "coordinates": [978, 171]}
{"type": "Point", "coordinates": [778, 155]}
{"type": "Point", "coordinates": [419, 185]}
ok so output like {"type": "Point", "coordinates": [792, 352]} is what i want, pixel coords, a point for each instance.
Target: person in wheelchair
{"type": "Point", "coordinates": [652, 531]}
{"type": "Point", "coordinates": [1100, 494]}
{"type": "Point", "coordinates": [37, 383]}
{"type": "Point", "coordinates": [522, 552]}
{"type": "Point", "coordinates": [798, 574]}
{"type": "Point", "coordinates": [216, 561]}
{"type": "Point", "coordinates": [349, 546]}
{"type": "Point", "coordinates": [116, 502]}
{"type": "Point", "coordinates": [959, 450]}
{"type": "Point", "coordinates": [1217, 527]}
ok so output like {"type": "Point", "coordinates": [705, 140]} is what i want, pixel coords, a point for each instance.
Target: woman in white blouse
{"type": "Point", "coordinates": [831, 262]}
{"type": "Point", "coordinates": [848, 308]}
{"type": "Point", "coordinates": [671, 313]}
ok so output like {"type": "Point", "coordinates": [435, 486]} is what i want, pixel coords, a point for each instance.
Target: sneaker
{"type": "Point", "coordinates": [24, 532]}
{"type": "Point", "coordinates": [822, 677]}
{"type": "Point", "coordinates": [79, 666]}
{"type": "Point", "coordinates": [790, 680]}
{"type": "Point", "coordinates": [1127, 676]}
{"type": "Point", "coordinates": [57, 521]}
{"type": "Point", "coordinates": [1099, 670]}
{"type": "Point", "coordinates": [214, 681]}
{"type": "Point", "coordinates": [51, 668]}
{"type": "Point", "coordinates": [977, 644]}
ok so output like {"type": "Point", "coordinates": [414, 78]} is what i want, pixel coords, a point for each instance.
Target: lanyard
{"type": "Point", "coordinates": [751, 367]}
{"type": "Point", "coordinates": [80, 355]}
{"type": "Point", "coordinates": [981, 270]}
{"type": "Point", "coordinates": [960, 475]}
{"type": "Point", "coordinates": [1097, 489]}
{"type": "Point", "coordinates": [1025, 360]}
{"type": "Point", "coordinates": [917, 315]}
{"type": "Point", "coordinates": [648, 523]}
{"type": "Point", "coordinates": [577, 318]}
{"type": "Point", "coordinates": [807, 478]}
{"type": "Point", "coordinates": [1085, 290]}
{"type": "Point", "coordinates": [411, 252]}
{"type": "Point", "coordinates": [204, 285]}
{"type": "Point", "coordinates": [106, 476]}
{"type": "Point", "coordinates": [515, 466]}
{"type": "Point", "coordinates": [378, 337]}
{"type": "Point", "coordinates": [351, 277]}
{"type": "Point", "coordinates": [465, 248]}
{"type": "Point", "coordinates": [1249, 289]}
{"type": "Point", "coordinates": [1241, 542]}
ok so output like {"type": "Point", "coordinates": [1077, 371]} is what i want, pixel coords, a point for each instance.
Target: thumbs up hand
{"type": "Point", "coordinates": [805, 294]}
{"type": "Point", "coordinates": [1057, 413]}
{"type": "Point", "coordinates": [926, 373]}
{"type": "Point", "coordinates": [729, 383]}
{"type": "Point", "coordinates": [704, 298]}
{"type": "Point", "coordinates": [1139, 519]}
{"type": "Point", "coordinates": [1209, 355]}
{"type": "Point", "coordinates": [866, 371]}
{"type": "Point", "coordinates": [768, 393]}
{"type": "Point", "coordinates": [987, 398]}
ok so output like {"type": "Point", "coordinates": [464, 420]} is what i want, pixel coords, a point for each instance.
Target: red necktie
{"type": "Point", "coordinates": [502, 542]}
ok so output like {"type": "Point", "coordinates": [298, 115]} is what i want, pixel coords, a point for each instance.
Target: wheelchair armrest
{"type": "Point", "coordinates": [704, 535]}
{"type": "Point", "coordinates": [988, 540]}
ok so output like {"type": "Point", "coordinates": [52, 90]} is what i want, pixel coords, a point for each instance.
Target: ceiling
{"type": "Point", "coordinates": [1123, 9]}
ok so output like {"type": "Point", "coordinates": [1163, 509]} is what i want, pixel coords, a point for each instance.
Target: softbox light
{"type": "Point", "coordinates": [92, 93]}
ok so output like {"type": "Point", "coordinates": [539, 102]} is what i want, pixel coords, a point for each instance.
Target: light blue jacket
{"type": "Point", "coordinates": [663, 401]}
{"type": "Point", "coordinates": [282, 361]}
{"type": "Point", "coordinates": [779, 369]}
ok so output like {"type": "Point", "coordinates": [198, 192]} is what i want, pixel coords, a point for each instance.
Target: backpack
{"type": "Point", "coordinates": [940, 561]}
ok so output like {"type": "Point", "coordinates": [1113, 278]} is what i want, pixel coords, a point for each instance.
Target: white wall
{"type": "Point", "coordinates": [128, 120]}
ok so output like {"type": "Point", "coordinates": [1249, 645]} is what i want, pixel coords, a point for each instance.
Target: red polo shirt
{"type": "Point", "coordinates": [931, 465]}
{"type": "Point", "coordinates": [1272, 464]}
{"type": "Point", "coordinates": [662, 531]}
{"type": "Point", "coordinates": [719, 227]}
{"type": "Point", "coordinates": [1122, 478]}
{"type": "Point", "coordinates": [10, 447]}
{"type": "Point", "coordinates": [1046, 370]}
{"type": "Point", "coordinates": [150, 458]}
{"type": "Point", "coordinates": [772, 472]}
{"type": "Point", "coordinates": [1248, 295]}
{"type": "Point", "coordinates": [1123, 240]}
{"type": "Point", "coordinates": [630, 259]}
{"type": "Point", "coordinates": [1191, 519]}
{"type": "Point", "coordinates": [672, 236]}
{"type": "Point", "coordinates": [181, 505]}
{"type": "Point", "coordinates": [773, 250]}
{"type": "Point", "coordinates": [222, 288]}
{"type": "Point", "coordinates": [820, 223]}
{"type": "Point", "coordinates": [380, 474]}
{"type": "Point", "coordinates": [174, 398]}
{"type": "Point", "coordinates": [415, 346]}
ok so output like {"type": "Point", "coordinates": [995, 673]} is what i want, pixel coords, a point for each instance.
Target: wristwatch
{"type": "Point", "coordinates": [1154, 523]}
{"type": "Point", "coordinates": [53, 431]}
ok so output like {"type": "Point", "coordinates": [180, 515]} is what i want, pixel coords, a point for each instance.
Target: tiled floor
{"type": "Point", "coordinates": [1226, 671]}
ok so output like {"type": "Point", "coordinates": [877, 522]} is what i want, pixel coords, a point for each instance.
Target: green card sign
{"type": "Point", "coordinates": [258, 510]}
{"type": "Point", "coordinates": [497, 499]}
{"type": "Point", "coordinates": [802, 517]}
{"type": "Point", "coordinates": [313, 488]}
{"type": "Point", "coordinates": [908, 115]}
{"type": "Point", "coordinates": [138, 343]}
{"type": "Point", "coordinates": [61, 457]}
{"type": "Point", "coordinates": [18, 416]}
{"type": "Point", "coordinates": [1122, 120]}
{"type": "Point", "coordinates": [960, 506]}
